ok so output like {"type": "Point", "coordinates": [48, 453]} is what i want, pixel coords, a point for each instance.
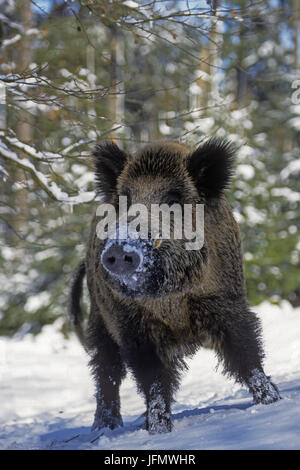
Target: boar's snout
{"type": "Point", "coordinates": [121, 261]}
{"type": "Point", "coordinates": [135, 268]}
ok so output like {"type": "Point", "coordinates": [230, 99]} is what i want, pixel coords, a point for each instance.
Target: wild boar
{"type": "Point", "coordinates": [152, 301]}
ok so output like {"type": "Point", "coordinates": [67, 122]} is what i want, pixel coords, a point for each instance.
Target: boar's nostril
{"type": "Point", "coordinates": [120, 262]}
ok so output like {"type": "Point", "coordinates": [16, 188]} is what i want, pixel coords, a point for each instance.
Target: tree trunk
{"type": "Point", "coordinates": [25, 118]}
{"type": "Point", "coordinates": [116, 98]}
{"type": "Point", "coordinates": [209, 55]}
{"type": "Point", "coordinates": [296, 22]}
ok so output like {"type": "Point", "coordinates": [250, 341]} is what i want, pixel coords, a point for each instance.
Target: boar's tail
{"type": "Point", "coordinates": [75, 311]}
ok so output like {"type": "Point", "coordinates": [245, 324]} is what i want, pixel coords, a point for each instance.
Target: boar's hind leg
{"type": "Point", "coordinates": [241, 351]}
{"type": "Point", "coordinates": [108, 371]}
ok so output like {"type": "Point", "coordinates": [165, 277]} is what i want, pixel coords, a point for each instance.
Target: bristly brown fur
{"type": "Point", "coordinates": [211, 166]}
{"type": "Point", "coordinates": [193, 298]}
{"type": "Point", "coordinates": [109, 163]}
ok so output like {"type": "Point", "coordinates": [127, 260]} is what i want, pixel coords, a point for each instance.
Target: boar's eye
{"type": "Point", "coordinates": [173, 197]}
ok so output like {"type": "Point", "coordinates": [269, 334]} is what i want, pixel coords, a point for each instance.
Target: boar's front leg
{"type": "Point", "coordinates": [108, 370]}
{"type": "Point", "coordinates": [155, 381]}
{"type": "Point", "coordinates": [241, 350]}
{"type": "Point", "coordinates": [236, 336]}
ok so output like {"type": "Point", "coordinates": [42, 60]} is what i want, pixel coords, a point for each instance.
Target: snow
{"type": "Point", "coordinates": [9, 42]}
{"type": "Point", "coordinates": [292, 167]}
{"type": "Point", "coordinates": [37, 301]}
{"type": "Point", "coordinates": [130, 4]}
{"type": "Point", "coordinates": [47, 401]}
{"type": "Point", "coordinates": [31, 151]}
{"type": "Point", "coordinates": [245, 171]}
{"type": "Point", "coordinates": [288, 193]}
{"type": "Point", "coordinates": [255, 216]}
{"type": "Point", "coordinates": [50, 187]}
{"type": "Point", "coordinates": [295, 123]}
{"type": "Point", "coordinates": [17, 37]}
{"type": "Point", "coordinates": [10, 23]}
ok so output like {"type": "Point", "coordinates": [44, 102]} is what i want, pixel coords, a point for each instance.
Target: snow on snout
{"type": "Point", "coordinates": [144, 248]}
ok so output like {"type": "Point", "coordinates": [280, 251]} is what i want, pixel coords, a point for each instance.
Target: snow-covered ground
{"type": "Point", "coordinates": [47, 402]}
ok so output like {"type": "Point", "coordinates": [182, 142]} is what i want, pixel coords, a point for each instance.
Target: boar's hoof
{"type": "Point", "coordinates": [158, 419]}
{"type": "Point", "coordinates": [106, 420]}
{"type": "Point", "coordinates": [161, 424]}
{"type": "Point", "coordinates": [263, 390]}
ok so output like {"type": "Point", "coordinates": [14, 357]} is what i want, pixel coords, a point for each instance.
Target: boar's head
{"type": "Point", "coordinates": [161, 173]}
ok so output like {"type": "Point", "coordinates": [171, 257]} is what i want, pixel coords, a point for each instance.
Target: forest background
{"type": "Point", "coordinates": [73, 73]}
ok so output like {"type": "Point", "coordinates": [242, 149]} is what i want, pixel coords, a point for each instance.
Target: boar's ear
{"type": "Point", "coordinates": [109, 163]}
{"type": "Point", "coordinates": [210, 166]}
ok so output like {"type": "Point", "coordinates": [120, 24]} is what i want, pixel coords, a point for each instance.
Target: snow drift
{"type": "Point", "coordinates": [47, 401]}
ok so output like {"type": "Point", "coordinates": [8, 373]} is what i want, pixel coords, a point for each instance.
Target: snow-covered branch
{"type": "Point", "coordinates": [50, 187]}
{"type": "Point", "coordinates": [29, 150]}
{"type": "Point", "coordinates": [16, 38]}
